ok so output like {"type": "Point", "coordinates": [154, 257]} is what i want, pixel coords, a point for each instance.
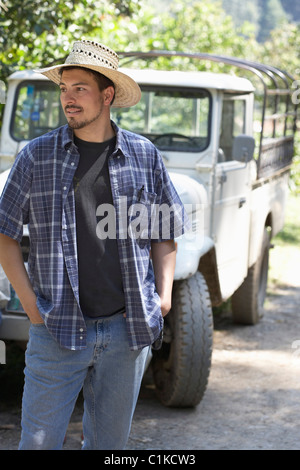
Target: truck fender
{"type": "Point", "coordinates": [190, 260]}
{"type": "Point", "coordinates": [195, 242]}
{"type": "Point", "coordinates": [188, 255]}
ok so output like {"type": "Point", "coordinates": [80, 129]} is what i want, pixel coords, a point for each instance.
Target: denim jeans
{"type": "Point", "coordinates": [109, 373]}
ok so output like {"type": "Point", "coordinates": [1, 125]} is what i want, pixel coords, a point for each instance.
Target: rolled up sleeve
{"type": "Point", "coordinates": [14, 200]}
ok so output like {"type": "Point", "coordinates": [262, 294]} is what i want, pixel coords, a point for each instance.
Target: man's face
{"type": "Point", "coordinates": [81, 99]}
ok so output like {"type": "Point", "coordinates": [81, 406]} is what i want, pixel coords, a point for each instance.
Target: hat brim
{"type": "Point", "coordinates": [127, 91]}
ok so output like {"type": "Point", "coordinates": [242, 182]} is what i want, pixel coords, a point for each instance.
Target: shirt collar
{"type": "Point", "coordinates": [121, 143]}
{"type": "Point", "coordinates": [67, 136]}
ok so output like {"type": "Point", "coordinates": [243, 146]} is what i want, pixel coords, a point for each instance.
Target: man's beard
{"type": "Point", "coordinates": [73, 124]}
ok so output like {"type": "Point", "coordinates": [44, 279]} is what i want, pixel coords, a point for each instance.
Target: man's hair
{"type": "Point", "coordinates": [102, 80]}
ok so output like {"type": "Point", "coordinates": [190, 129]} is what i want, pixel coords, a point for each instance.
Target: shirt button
{"type": "Point", "coordinates": [72, 164]}
{"type": "Point", "coordinates": [81, 330]}
{"type": "Point", "coordinates": [65, 187]}
{"type": "Point", "coordinates": [81, 337]}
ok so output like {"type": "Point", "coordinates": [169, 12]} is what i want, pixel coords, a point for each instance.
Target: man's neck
{"type": "Point", "coordinates": [95, 133]}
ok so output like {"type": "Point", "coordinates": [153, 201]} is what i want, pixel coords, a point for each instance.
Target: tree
{"type": "Point", "coordinates": [242, 12]}
{"type": "Point", "coordinates": [34, 33]}
{"type": "Point", "coordinates": [292, 9]}
{"type": "Point", "coordinates": [282, 49]}
{"type": "Point", "coordinates": [272, 16]}
{"type": "Point", "coordinates": [198, 27]}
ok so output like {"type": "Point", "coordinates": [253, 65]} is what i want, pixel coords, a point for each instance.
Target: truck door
{"type": "Point", "coordinates": [231, 214]}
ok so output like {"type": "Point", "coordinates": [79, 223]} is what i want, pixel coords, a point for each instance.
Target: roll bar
{"type": "Point", "coordinates": [275, 82]}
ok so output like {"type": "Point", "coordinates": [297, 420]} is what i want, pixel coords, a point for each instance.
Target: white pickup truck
{"type": "Point", "coordinates": [228, 148]}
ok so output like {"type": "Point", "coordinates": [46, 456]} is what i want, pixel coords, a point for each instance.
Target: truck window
{"type": "Point", "coordinates": [37, 110]}
{"type": "Point", "coordinates": [232, 123]}
{"type": "Point", "coordinates": [173, 119]}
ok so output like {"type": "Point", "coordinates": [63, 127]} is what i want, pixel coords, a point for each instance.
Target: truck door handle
{"type": "Point", "coordinates": [242, 202]}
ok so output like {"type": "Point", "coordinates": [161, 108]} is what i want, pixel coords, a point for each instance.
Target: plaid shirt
{"type": "Point", "coordinates": [39, 192]}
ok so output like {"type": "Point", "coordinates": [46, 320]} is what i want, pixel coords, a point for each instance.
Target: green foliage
{"type": "Point", "coordinates": [290, 233]}
{"type": "Point", "coordinates": [41, 33]}
{"type": "Point", "coordinates": [198, 27]}
{"type": "Point", "coordinates": [282, 49]}
{"type": "Point", "coordinates": [35, 33]}
{"type": "Point", "coordinates": [200, 32]}
{"type": "Point", "coordinates": [292, 9]}
{"type": "Point", "coordinates": [265, 15]}
{"type": "Point", "coordinates": [295, 170]}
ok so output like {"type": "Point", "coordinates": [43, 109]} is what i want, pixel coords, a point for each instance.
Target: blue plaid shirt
{"type": "Point", "coordinates": [39, 192]}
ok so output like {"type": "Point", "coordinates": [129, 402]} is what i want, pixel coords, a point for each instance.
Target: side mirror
{"type": "Point", "coordinates": [243, 148]}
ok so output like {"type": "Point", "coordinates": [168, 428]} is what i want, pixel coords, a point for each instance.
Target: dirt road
{"type": "Point", "coordinates": [253, 396]}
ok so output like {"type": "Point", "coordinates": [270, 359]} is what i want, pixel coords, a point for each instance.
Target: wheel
{"type": "Point", "coordinates": [248, 300]}
{"type": "Point", "coordinates": [181, 367]}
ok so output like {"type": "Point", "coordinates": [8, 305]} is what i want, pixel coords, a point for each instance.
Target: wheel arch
{"type": "Point", "coordinates": [269, 222]}
{"type": "Point", "coordinates": [208, 268]}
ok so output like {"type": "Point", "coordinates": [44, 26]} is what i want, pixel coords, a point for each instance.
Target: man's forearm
{"type": "Point", "coordinates": [11, 260]}
{"type": "Point", "coordinates": [164, 259]}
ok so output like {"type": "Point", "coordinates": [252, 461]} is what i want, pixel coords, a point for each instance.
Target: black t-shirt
{"type": "Point", "coordinates": [100, 282]}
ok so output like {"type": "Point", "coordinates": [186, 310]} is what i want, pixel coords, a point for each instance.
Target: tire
{"type": "Point", "coordinates": [248, 300]}
{"type": "Point", "coordinates": [181, 367]}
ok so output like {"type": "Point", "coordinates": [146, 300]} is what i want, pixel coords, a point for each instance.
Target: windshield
{"type": "Point", "coordinates": [37, 110]}
{"type": "Point", "coordinates": [173, 119]}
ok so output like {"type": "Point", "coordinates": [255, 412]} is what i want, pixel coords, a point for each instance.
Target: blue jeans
{"type": "Point", "coordinates": [109, 373]}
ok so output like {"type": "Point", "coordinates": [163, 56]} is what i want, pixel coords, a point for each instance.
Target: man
{"type": "Point", "coordinates": [96, 302]}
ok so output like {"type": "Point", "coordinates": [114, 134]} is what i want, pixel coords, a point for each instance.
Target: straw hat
{"type": "Point", "coordinates": [102, 59]}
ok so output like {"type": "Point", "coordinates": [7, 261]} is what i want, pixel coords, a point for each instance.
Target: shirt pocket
{"type": "Point", "coordinates": [141, 212]}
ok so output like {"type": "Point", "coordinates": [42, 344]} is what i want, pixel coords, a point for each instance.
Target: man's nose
{"type": "Point", "coordinates": [68, 97]}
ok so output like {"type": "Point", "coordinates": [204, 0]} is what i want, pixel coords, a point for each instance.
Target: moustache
{"type": "Point", "coordinates": [69, 106]}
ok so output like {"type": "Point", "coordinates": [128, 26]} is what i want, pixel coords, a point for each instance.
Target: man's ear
{"type": "Point", "coordinates": [108, 95]}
